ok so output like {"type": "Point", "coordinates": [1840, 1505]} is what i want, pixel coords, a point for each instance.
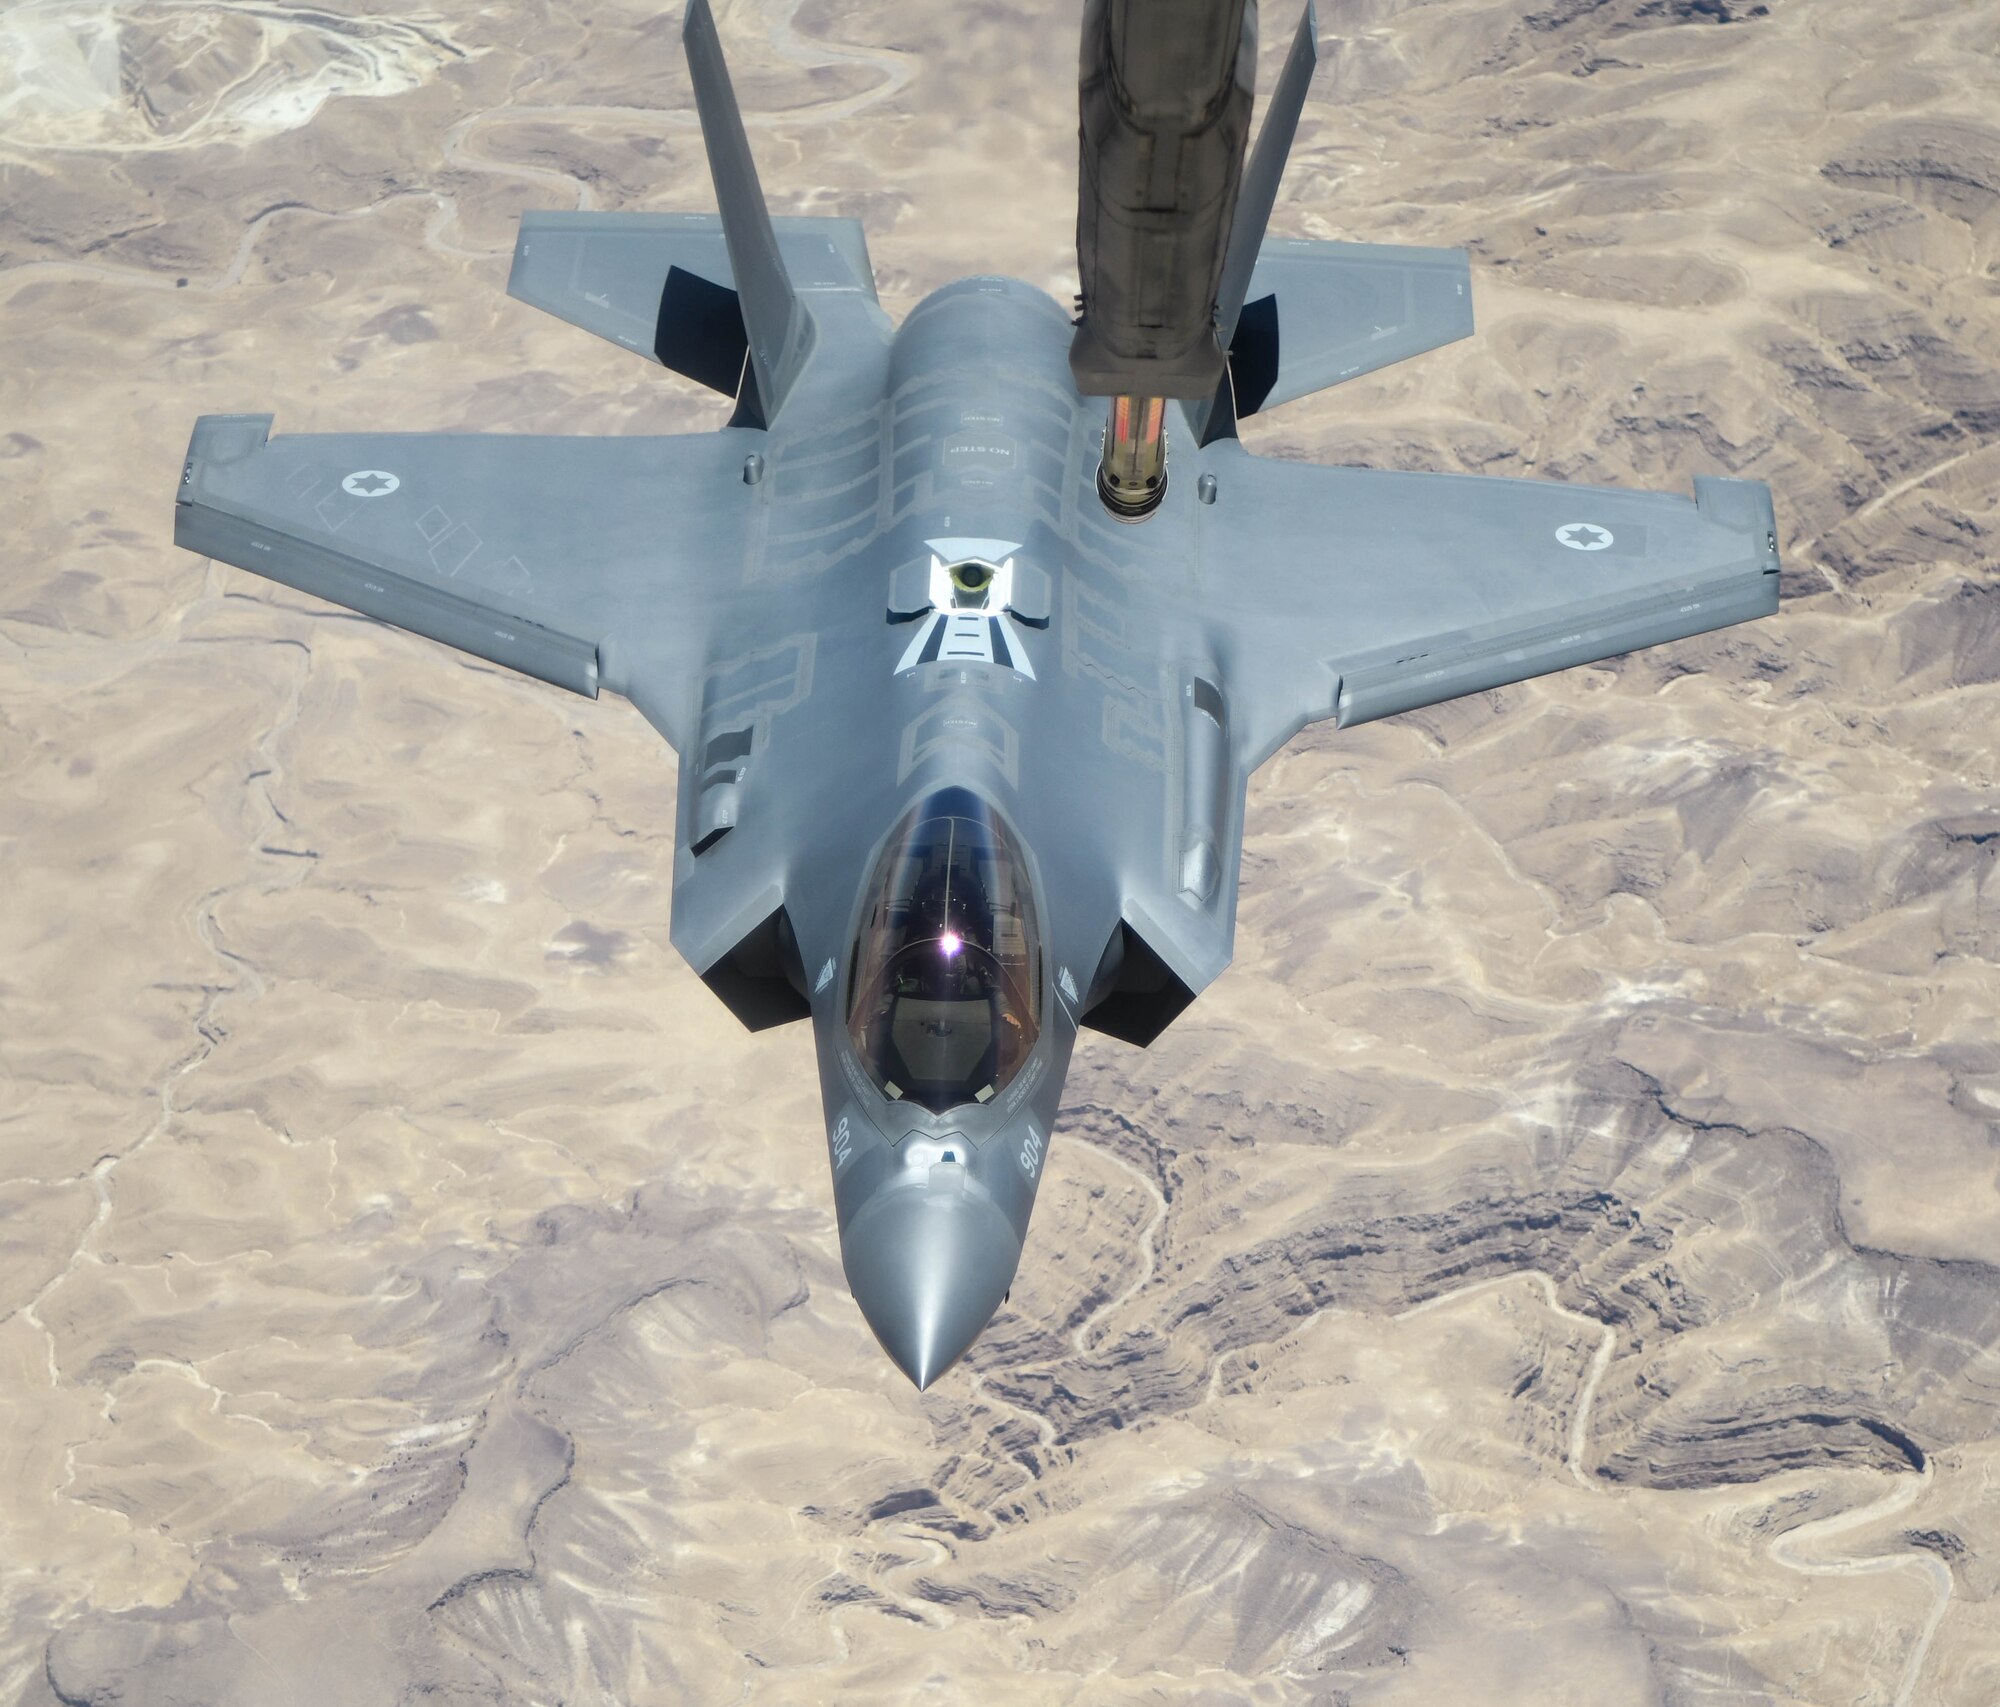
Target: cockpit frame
{"type": "Point", "coordinates": [945, 986]}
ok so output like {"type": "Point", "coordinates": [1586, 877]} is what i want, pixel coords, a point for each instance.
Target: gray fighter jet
{"type": "Point", "coordinates": [967, 667]}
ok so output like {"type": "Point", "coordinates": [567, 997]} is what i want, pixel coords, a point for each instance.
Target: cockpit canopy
{"type": "Point", "coordinates": [945, 994]}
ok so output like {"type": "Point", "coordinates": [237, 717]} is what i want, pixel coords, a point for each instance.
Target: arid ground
{"type": "Point", "coordinates": [1555, 1264]}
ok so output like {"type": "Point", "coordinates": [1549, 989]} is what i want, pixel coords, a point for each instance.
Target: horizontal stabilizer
{"type": "Point", "coordinates": [1318, 313]}
{"type": "Point", "coordinates": [660, 284]}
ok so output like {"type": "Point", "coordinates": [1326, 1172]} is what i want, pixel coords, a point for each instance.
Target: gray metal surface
{"type": "Point", "coordinates": [476, 539]}
{"type": "Point", "coordinates": [1320, 313]}
{"type": "Point", "coordinates": [776, 599]}
{"type": "Point", "coordinates": [607, 272]}
{"type": "Point", "coordinates": [779, 331]}
{"type": "Point", "coordinates": [1259, 191]}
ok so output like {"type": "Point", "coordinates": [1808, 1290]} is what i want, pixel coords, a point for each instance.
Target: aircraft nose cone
{"type": "Point", "coordinates": [928, 1267]}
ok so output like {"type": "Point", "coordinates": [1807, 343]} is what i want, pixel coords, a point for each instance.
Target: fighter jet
{"type": "Point", "coordinates": [970, 631]}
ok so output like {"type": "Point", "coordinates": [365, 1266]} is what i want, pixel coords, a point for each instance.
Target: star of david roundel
{"type": "Point", "coordinates": [370, 483]}
{"type": "Point", "coordinates": [1584, 536]}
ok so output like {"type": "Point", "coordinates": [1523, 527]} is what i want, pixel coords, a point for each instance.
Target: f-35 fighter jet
{"type": "Point", "coordinates": [969, 631]}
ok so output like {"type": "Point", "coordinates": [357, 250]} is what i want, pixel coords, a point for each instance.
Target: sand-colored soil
{"type": "Point", "coordinates": [1559, 1262]}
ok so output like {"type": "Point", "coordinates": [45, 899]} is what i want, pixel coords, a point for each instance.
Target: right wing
{"type": "Point", "coordinates": [1357, 593]}
{"type": "Point", "coordinates": [581, 561]}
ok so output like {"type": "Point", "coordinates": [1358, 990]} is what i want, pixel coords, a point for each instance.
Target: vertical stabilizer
{"type": "Point", "coordinates": [777, 326]}
{"type": "Point", "coordinates": [1259, 193]}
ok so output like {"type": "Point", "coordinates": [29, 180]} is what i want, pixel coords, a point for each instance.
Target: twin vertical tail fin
{"type": "Point", "coordinates": [1259, 191]}
{"type": "Point", "coordinates": [1217, 418]}
{"type": "Point", "coordinates": [1289, 317]}
{"type": "Point", "coordinates": [779, 330]}
{"type": "Point", "coordinates": [733, 300]}
{"type": "Point", "coordinates": [1296, 316]}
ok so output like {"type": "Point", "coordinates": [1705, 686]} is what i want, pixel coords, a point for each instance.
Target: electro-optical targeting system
{"type": "Point", "coordinates": [965, 681]}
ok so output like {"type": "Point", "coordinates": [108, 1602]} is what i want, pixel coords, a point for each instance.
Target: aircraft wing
{"type": "Point", "coordinates": [1357, 593]}
{"type": "Point", "coordinates": [575, 560]}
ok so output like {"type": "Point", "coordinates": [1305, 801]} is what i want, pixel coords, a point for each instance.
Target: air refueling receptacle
{"type": "Point", "coordinates": [1164, 97]}
{"type": "Point", "coordinates": [1132, 476]}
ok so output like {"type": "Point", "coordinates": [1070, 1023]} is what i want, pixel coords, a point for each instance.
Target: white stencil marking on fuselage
{"type": "Point", "coordinates": [952, 633]}
{"type": "Point", "coordinates": [965, 637]}
{"type": "Point", "coordinates": [956, 549]}
{"type": "Point", "coordinates": [918, 641]}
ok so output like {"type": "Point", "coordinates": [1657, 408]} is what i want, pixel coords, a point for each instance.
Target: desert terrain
{"type": "Point", "coordinates": [1558, 1262]}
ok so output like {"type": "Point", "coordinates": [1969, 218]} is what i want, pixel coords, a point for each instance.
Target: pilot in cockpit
{"type": "Point", "coordinates": [946, 998]}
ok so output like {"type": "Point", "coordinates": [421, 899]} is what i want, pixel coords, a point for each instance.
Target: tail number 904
{"type": "Point", "coordinates": [843, 1142]}
{"type": "Point", "coordinates": [1031, 1153]}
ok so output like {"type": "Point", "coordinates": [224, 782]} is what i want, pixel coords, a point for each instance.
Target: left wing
{"type": "Point", "coordinates": [1357, 593]}
{"type": "Point", "coordinates": [577, 560]}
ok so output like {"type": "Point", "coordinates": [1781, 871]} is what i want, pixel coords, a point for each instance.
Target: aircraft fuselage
{"type": "Point", "coordinates": [966, 669]}
{"type": "Point", "coordinates": [1053, 695]}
